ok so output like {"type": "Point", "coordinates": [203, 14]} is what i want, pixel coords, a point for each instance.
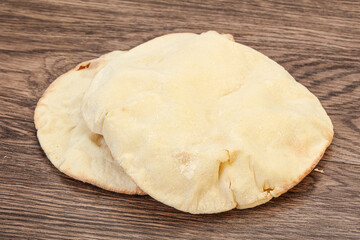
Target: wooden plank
{"type": "Point", "coordinates": [318, 42]}
{"type": "Point", "coordinates": [54, 205]}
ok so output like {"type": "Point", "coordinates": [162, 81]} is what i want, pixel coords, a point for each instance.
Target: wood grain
{"type": "Point", "coordinates": [318, 42]}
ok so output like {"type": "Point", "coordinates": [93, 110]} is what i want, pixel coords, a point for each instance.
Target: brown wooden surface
{"type": "Point", "coordinates": [318, 42]}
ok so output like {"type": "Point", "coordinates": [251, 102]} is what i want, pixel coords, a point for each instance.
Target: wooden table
{"type": "Point", "coordinates": [318, 42]}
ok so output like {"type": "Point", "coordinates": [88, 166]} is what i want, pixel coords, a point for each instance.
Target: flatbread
{"type": "Point", "coordinates": [204, 124]}
{"type": "Point", "coordinates": [65, 138]}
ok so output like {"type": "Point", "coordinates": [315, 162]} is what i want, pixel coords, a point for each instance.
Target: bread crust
{"type": "Point", "coordinates": [53, 158]}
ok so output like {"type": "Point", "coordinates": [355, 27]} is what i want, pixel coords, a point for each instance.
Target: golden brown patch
{"type": "Point", "coordinates": [183, 157]}
{"type": "Point", "coordinates": [83, 66]}
{"type": "Point", "coordinates": [96, 138]}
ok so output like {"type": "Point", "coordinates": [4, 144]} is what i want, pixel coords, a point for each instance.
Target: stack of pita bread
{"type": "Point", "coordinates": [197, 121]}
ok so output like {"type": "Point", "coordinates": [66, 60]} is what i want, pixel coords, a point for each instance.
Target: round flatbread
{"type": "Point", "coordinates": [205, 124]}
{"type": "Point", "coordinates": [65, 138]}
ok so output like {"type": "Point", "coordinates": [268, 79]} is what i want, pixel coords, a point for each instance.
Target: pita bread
{"type": "Point", "coordinates": [65, 138]}
{"type": "Point", "coordinates": [204, 124]}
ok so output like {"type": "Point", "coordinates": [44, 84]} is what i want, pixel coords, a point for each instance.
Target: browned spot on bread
{"type": "Point", "coordinates": [183, 157]}
{"type": "Point", "coordinates": [83, 66]}
{"type": "Point", "coordinates": [96, 138]}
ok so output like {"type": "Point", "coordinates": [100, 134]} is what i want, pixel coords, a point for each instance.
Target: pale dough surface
{"type": "Point", "coordinates": [205, 124]}
{"type": "Point", "coordinates": [65, 138]}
